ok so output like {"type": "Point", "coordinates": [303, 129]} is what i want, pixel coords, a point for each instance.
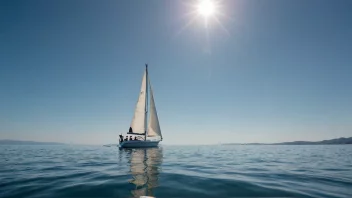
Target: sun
{"type": "Point", "coordinates": [209, 13]}
{"type": "Point", "coordinates": [206, 8]}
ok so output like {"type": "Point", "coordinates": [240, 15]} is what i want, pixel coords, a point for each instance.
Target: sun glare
{"type": "Point", "coordinates": [206, 8]}
{"type": "Point", "coordinates": [206, 14]}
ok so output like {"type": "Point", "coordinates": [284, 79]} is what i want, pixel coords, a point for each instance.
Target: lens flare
{"type": "Point", "coordinates": [206, 8]}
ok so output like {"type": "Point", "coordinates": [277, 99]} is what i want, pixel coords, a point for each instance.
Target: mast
{"type": "Point", "coordinates": [146, 103]}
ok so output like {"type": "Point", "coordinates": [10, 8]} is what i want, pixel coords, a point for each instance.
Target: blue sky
{"type": "Point", "coordinates": [70, 71]}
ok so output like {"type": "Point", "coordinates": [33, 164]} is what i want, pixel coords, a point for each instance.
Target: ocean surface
{"type": "Point", "coordinates": [176, 171]}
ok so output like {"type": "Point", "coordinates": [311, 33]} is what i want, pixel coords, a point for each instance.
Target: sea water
{"type": "Point", "coordinates": [176, 171]}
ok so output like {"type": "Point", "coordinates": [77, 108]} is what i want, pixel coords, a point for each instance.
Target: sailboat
{"type": "Point", "coordinates": [147, 130]}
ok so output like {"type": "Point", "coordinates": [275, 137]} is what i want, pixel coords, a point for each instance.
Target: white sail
{"type": "Point", "coordinates": [138, 121]}
{"type": "Point", "coordinates": [153, 125]}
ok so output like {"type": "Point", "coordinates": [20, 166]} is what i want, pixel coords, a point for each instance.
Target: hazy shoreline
{"type": "Point", "coordinates": [25, 142]}
{"type": "Point", "coordinates": [337, 141]}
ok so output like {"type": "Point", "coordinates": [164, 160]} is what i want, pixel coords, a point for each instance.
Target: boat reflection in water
{"type": "Point", "coordinates": [145, 169]}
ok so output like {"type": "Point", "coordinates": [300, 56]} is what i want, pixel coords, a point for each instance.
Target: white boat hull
{"type": "Point", "coordinates": [139, 144]}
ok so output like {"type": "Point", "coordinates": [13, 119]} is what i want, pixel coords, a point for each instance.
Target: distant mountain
{"type": "Point", "coordinates": [19, 142]}
{"type": "Point", "coordinates": [324, 142]}
{"type": "Point", "coordinates": [333, 141]}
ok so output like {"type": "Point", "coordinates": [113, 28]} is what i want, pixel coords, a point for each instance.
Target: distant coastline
{"type": "Point", "coordinates": [20, 142]}
{"type": "Point", "coordinates": [337, 141]}
{"type": "Point", "coordinates": [341, 140]}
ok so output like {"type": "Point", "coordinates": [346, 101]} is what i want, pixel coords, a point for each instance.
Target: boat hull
{"type": "Point", "coordinates": [139, 144]}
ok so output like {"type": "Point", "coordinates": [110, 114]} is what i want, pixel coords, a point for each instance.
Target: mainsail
{"type": "Point", "coordinates": [153, 125]}
{"type": "Point", "coordinates": [138, 121]}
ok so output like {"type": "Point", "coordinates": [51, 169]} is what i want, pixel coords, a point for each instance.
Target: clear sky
{"type": "Point", "coordinates": [265, 71]}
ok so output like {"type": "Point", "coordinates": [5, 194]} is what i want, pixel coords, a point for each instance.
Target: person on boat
{"type": "Point", "coordinates": [131, 138]}
{"type": "Point", "coordinates": [130, 130]}
{"type": "Point", "coordinates": [135, 138]}
{"type": "Point", "coordinates": [121, 138]}
{"type": "Point", "coordinates": [126, 138]}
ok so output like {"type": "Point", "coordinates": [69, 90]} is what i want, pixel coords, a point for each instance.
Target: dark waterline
{"type": "Point", "coordinates": [176, 171]}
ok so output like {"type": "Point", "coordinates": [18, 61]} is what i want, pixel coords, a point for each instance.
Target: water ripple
{"type": "Point", "coordinates": [171, 171]}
